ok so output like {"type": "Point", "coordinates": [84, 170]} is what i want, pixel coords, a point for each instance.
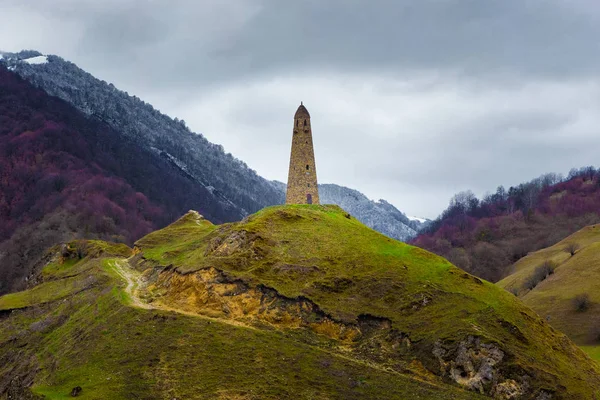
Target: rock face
{"type": "Point", "coordinates": [212, 293]}
{"type": "Point", "coordinates": [473, 365]}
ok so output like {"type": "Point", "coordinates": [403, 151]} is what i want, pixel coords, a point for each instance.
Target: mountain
{"type": "Point", "coordinates": [292, 302]}
{"type": "Point", "coordinates": [65, 175]}
{"type": "Point", "coordinates": [92, 157]}
{"type": "Point", "coordinates": [229, 179]}
{"type": "Point", "coordinates": [103, 169]}
{"type": "Point", "coordinates": [381, 215]}
{"type": "Point", "coordinates": [192, 153]}
{"type": "Point", "coordinates": [485, 237]}
{"type": "Point", "coordinates": [560, 283]}
{"type": "Point", "coordinates": [207, 163]}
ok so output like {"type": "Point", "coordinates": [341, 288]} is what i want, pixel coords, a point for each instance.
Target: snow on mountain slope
{"type": "Point", "coordinates": [36, 60]}
{"type": "Point", "coordinates": [228, 178]}
{"type": "Point", "coordinates": [207, 163]}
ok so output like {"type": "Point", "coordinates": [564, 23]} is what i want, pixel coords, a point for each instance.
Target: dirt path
{"type": "Point", "coordinates": [132, 277]}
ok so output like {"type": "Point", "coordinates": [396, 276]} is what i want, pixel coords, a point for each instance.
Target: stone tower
{"type": "Point", "coordinates": [302, 177]}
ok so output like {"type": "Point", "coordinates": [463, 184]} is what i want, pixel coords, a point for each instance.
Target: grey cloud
{"type": "Point", "coordinates": [415, 147]}
{"type": "Point", "coordinates": [207, 41]}
{"type": "Point", "coordinates": [411, 100]}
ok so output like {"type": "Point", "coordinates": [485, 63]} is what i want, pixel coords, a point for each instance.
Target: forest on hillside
{"type": "Point", "coordinates": [65, 176]}
{"type": "Point", "coordinates": [486, 236]}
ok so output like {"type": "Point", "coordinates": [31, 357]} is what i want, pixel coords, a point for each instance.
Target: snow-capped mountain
{"type": "Point", "coordinates": [234, 184]}
{"type": "Point", "coordinates": [417, 219]}
{"type": "Point", "coordinates": [235, 187]}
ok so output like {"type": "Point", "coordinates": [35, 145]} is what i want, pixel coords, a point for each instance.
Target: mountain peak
{"type": "Point", "coordinates": [31, 57]}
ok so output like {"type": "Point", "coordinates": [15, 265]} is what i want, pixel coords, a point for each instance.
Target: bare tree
{"type": "Point", "coordinates": [539, 274]}
{"type": "Point", "coordinates": [571, 248]}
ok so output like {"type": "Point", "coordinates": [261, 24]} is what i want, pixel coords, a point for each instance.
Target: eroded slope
{"type": "Point", "coordinates": [319, 275]}
{"type": "Point", "coordinates": [96, 338]}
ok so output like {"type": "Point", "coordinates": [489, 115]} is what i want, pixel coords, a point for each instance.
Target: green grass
{"type": "Point", "coordinates": [63, 278]}
{"type": "Point", "coordinates": [90, 336]}
{"type": "Point", "coordinates": [163, 355]}
{"type": "Point", "coordinates": [593, 352]}
{"type": "Point", "coordinates": [308, 236]}
{"type": "Point", "coordinates": [60, 269]}
{"type": "Point", "coordinates": [43, 293]}
{"type": "Point", "coordinates": [526, 265]}
{"type": "Point", "coordinates": [160, 247]}
{"type": "Point", "coordinates": [574, 275]}
{"type": "Point", "coordinates": [114, 351]}
{"type": "Point", "coordinates": [384, 273]}
{"type": "Point", "coordinates": [387, 279]}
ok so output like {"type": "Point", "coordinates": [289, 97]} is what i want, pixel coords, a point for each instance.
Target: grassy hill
{"type": "Point", "coordinates": [292, 302]}
{"type": "Point", "coordinates": [66, 175]}
{"type": "Point", "coordinates": [569, 297]}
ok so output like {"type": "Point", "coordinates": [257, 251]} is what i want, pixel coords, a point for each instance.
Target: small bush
{"type": "Point", "coordinates": [514, 291]}
{"type": "Point", "coordinates": [581, 302]}
{"type": "Point", "coordinates": [541, 272]}
{"type": "Point", "coordinates": [571, 248]}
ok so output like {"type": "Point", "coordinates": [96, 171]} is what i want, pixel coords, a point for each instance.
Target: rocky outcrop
{"type": "Point", "coordinates": [471, 364]}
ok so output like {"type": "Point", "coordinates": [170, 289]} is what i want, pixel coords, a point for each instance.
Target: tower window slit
{"type": "Point", "coordinates": [307, 167]}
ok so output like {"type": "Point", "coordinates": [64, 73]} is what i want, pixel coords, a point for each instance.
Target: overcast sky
{"type": "Point", "coordinates": [411, 101]}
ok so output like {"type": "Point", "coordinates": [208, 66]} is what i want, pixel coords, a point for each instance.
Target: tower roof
{"type": "Point", "coordinates": [302, 112]}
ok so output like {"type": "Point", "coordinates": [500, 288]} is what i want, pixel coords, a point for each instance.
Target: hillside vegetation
{"type": "Point", "coordinates": [65, 176]}
{"type": "Point", "coordinates": [485, 237]}
{"type": "Point", "coordinates": [101, 164]}
{"type": "Point", "coordinates": [291, 302]}
{"type": "Point", "coordinates": [569, 296]}
{"type": "Point", "coordinates": [230, 181]}
{"type": "Point", "coordinates": [92, 339]}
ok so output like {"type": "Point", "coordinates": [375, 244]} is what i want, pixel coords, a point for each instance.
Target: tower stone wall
{"type": "Point", "coordinates": [302, 177]}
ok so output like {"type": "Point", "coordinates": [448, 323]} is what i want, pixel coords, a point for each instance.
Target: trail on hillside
{"type": "Point", "coordinates": [133, 280]}
{"type": "Point", "coordinates": [132, 277]}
